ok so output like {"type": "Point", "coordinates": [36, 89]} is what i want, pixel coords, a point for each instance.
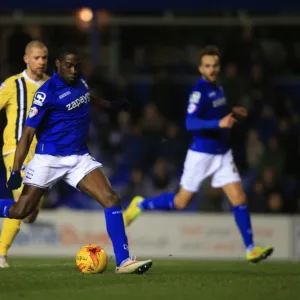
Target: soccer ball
{"type": "Point", "coordinates": [91, 259]}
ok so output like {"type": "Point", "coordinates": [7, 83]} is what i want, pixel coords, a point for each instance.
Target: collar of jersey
{"type": "Point", "coordinates": [58, 80]}
{"type": "Point", "coordinates": [31, 80]}
{"type": "Point", "coordinates": [204, 80]}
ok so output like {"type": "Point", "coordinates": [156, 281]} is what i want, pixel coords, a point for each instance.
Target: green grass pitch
{"type": "Point", "coordinates": [55, 279]}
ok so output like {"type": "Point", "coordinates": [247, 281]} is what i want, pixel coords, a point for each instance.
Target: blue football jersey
{"type": "Point", "coordinates": [207, 105]}
{"type": "Point", "coordinates": [60, 114]}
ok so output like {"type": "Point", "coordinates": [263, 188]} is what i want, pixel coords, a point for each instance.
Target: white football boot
{"type": "Point", "coordinates": [3, 262]}
{"type": "Point", "coordinates": [132, 266]}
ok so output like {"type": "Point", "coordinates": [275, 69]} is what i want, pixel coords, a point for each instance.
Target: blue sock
{"type": "Point", "coordinates": [116, 231]}
{"type": "Point", "coordinates": [161, 202]}
{"type": "Point", "coordinates": [5, 205]}
{"type": "Point", "coordinates": [242, 219]}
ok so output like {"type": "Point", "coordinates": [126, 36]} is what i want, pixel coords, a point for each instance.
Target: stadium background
{"type": "Point", "coordinates": [150, 55]}
{"type": "Point", "coordinates": [148, 52]}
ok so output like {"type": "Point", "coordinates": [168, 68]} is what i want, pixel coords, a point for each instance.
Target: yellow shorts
{"type": "Point", "coordinates": [8, 162]}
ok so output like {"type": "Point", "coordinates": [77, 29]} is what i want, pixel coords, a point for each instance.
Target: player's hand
{"type": "Point", "coordinates": [120, 104]}
{"type": "Point", "coordinates": [240, 111]}
{"type": "Point", "coordinates": [15, 180]}
{"type": "Point", "coordinates": [228, 121]}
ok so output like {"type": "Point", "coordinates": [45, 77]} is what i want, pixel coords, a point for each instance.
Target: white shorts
{"type": "Point", "coordinates": [46, 170]}
{"type": "Point", "coordinates": [198, 166]}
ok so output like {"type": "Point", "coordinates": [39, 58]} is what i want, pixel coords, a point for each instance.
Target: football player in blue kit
{"type": "Point", "coordinates": [209, 118]}
{"type": "Point", "coordinates": [59, 117]}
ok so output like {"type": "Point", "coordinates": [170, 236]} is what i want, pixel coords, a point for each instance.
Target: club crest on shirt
{"type": "Point", "coordinates": [39, 98]}
{"type": "Point", "coordinates": [195, 97]}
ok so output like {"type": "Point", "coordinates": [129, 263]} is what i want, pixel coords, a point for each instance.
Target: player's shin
{"type": "Point", "coordinates": [10, 229]}
{"type": "Point", "coordinates": [5, 205]}
{"type": "Point", "coordinates": [116, 231]}
{"type": "Point", "coordinates": [243, 221]}
{"type": "Point", "coordinates": [162, 202]}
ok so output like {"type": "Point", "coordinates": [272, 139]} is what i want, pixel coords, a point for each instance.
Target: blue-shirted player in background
{"type": "Point", "coordinates": [209, 119]}
{"type": "Point", "coordinates": [59, 116]}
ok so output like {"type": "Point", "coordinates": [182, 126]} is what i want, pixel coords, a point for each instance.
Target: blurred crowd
{"type": "Point", "coordinates": [143, 147]}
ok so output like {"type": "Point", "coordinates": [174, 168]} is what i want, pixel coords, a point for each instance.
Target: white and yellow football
{"type": "Point", "coordinates": [91, 259]}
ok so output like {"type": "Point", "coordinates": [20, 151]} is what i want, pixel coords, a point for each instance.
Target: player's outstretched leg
{"type": "Point", "coordinates": [165, 201]}
{"type": "Point", "coordinates": [27, 203]}
{"type": "Point", "coordinates": [5, 205]}
{"type": "Point", "coordinates": [237, 197]}
{"type": "Point", "coordinates": [96, 185]}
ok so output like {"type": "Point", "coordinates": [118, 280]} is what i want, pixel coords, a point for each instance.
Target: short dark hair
{"type": "Point", "coordinates": [67, 50]}
{"type": "Point", "coordinates": [34, 44]}
{"type": "Point", "coordinates": [209, 50]}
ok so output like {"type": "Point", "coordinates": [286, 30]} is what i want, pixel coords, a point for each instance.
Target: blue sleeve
{"type": "Point", "coordinates": [196, 108]}
{"type": "Point", "coordinates": [82, 76]}
{"type": "Point", "coordinates": [83, 80]}
{"type": "Point", "coordinates": [42, 102]}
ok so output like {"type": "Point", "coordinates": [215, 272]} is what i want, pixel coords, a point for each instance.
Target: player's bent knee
{"type": "Point", "coordinates": [21, 210]}
{"type": "Point", "coordinates": [182, 199]}
{"type": "Point", "coordinates": [18, 214]}
{"type": "Point", "coordinates": [238, 199]}
{"type": "Point", "coordinates": [180, 203]}
{"type": "Point", "coordinates": [235, 193]}
{"type": "Point", "coordinates": [242, 198]}
{"type": "Point", "coordinates": [31, 218]}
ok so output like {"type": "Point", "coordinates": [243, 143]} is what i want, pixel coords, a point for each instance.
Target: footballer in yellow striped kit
{"type": "Point", "coordinates": [16, 96]}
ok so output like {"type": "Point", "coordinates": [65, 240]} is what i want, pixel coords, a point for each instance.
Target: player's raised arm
{"type": "Point", "coordinates": [95, 100]}
{"type": "Point", "coordinates": [193, 123]}
{"type": "Point", "coordinates": [195, 109]}
{"type": "Point", "coordinates": [239, 112]}
{"type": "Point", "coordinates": [105, 104]}
{"type": "Point", "coordinates": [99, 101]}
{"type": "Point", "coordinates": [102, 103]}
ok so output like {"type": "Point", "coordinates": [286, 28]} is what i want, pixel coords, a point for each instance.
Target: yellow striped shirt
{"type": "Point", "coordinates": [16, 94]}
